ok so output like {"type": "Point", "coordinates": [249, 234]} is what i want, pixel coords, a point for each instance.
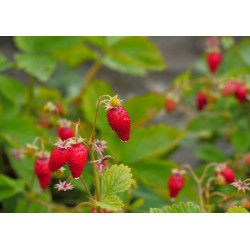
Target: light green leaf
{"type": "Point", "coordinates": [45, 43]}
{"type": "Point", "coordinates": [9, 187]}
{"type": "Point", "coordinates": [112, 203]}
{"type": "Point", "coordinates": [133, 55]}
{"type": "Point", "coordinates": [142, 51]}
{"type": "Point", "coordinates": [38, 65]}
{"type": "Point", "coordinates": [159, 140]}
{"type": "Point", "coordinates": [12, 89]}
{"type": "Point", "coordinates": [227, 41]}
{"type": "Point", "coordinates": [155, 210]}
{"type": "Point", "coordinates": [149, 106]}
{"type": "Point", "coordinates": [111, 40]}
{"type": "Point", "coordinates": [237, 209]}
{"type": "Point", "coordinates": [209, 153]}
{"type": "Point", "coordinates": [76, 55]}
{"type": "Point", "coordinates": [117, 179]}
{"type": "Point", "coordinates": [123, 65]}
{"type": "Point", "coordinates": [181, 207]}
{"type": "Point", "coordinates": [4, 63]}
{"type": "Point", "coordinates": [99, 41]}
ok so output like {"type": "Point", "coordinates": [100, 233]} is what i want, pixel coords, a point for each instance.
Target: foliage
{"type": "Point", "coordinates": [178, 208]}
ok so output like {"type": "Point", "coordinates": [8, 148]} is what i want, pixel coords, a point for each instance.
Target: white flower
{"type": "Point", "coordinates": [240, 185]}
{"type": "Point", "coordinates": [64, 186]}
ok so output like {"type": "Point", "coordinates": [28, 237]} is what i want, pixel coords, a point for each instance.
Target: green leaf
{"type": "Point", "coordinates": [4, 63]}
{"type": "Point", "coordinates": [134, 55]}
{"type": "Point", "coordinates": [45, 43]}
{"type": "Point", "coordinates": [155, 210]}
{"type": "Point", "coordinates": [181, 207]}
{"type": "Point", "coordinates": [149, 106]}
{"type": "Point", "coordinates": [9, 187]}
{"type": "Point", "coordinates": [123, 65]}
{"type": "Point", "coordinates": [12, 89]}
{"type": "Point", "coordinates": [209, 153]}
{"type": "Point", "coordinates": [38, 65]}
{"type": "Point", "coordinates": [227, 41]}
{"type": "Point", "coordinates": [112, 203]}
{"type": "Point", "coordinates": [117, 179]}
{"type": "Point", "coordinates": [241, 141]}
{"type": "Point", "coordinates": [237, 209]}
{"type": "Point", "coordinates": [76, 55]}
{"type": "Point", "coordinates": [159, 139]}
{"type": "Point", "coordinates": [22, 130]}
{"type": "Point", "coordinates": [99, 41]}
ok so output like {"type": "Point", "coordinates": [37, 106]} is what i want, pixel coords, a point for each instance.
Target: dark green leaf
{"type": "Point", "coordinates": [9, 187]}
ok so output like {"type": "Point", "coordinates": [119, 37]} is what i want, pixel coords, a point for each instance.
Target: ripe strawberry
{"type": "Point", "coordinates": [213, 61]}
{"type": "Point", "coordinates": [248, 159]}
{"type": "Point", "coordinates": [241, 92]}
{"type": "Point", "coordinates": [103, 210]}
{"type": "Point", "coordinates": [227, 173]}
{"type": "Point", "coordinates": [77, 157]}
{"type": "Point", "coordinates": [201, 101]}
{"type": "Point", "coordinates": [42, 170]}
{"type": "Point", "coordinates": [58, 157]}
{"type": "Point", "coordinates": [170, 105]}
{"type": "Point", "coordinates": [229, 88]}
{"type": "Point", "coordinates": [175, 183]}
{"type": "Point", "coordinates": [119, 121]}
{"type": "Point", "coordinates": [65, 131]}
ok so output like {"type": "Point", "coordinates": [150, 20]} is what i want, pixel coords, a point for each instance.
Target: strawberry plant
{"type": "Point", "coordinates": [68, 143]}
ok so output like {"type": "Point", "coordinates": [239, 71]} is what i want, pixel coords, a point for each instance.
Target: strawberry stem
{"type": "Point", "coordinates": [86, 187]}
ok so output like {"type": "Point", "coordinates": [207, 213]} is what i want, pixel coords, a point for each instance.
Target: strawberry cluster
{"type": "Point", "coordinates": [235, 88]}
{"type": "Point", "coordinates": [69, 151]}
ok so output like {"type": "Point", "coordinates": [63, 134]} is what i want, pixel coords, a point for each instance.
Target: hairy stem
{"type": "Point", "coordinates": [80, 205]}
{"type": "Point", "coordinates": [86, 187]}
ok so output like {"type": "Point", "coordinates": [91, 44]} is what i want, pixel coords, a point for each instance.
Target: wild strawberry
{"type": "Point", "coordinates": [58, 157]}
{"type": "Point", "coordinates": [225, 171]}
{"type": "Point", "coordinates": [118, 119]}
{"type": "Point", "coordinates": [248, 160]}
{"type": "Point", "coordinates": [65, 131]}
{"type": "Point", "coordinates": [42, 169]}
{"type": "Point", "coordinates": [229, 88]}
{"type": "Point", "coordinates": [170, 105]}
{"type": "Point", "coordinates": [241, 92]}
{"type": "Point", "coordinates": [213, 61]}
{"type": "Point", "coordinates": [176, 182]}
{"type": "Point", "coordinates": [77, 157]}
{"type": "Point", "coordinates": [201, 101]}
{"type": "Point", "coordinates": [103, 210]}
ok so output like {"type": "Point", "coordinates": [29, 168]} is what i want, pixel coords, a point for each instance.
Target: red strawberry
{"type": "Point", "coordinates": [213, 60]}
{"type": "Point", "coordinates": [42, 170]}
{"type": "Point", "coordinates": [248, 159]}
{"type": "Point", "coordinates": [65, 131]}
{"type": "Point", "coordinates": [201, 101]}
{"type": "Point", "coordinates": [170, 105]}
{"type": "Point", "coordinates": [58, 157]}
{"type": "Point", "coordinates": [175, 183]}
{"type": "Point", "coordinates": [241, 92]}
{"type": "Point", "coordinates": [227, 173]}
{"type": "Point", "coordinates": [103, 210]}
{"type": "Point", "coordinates": [77, 157]}
{"type": "Point", "coordinates": [119, 121]}
{"type": "Point", "coordinates": [229, 88]}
